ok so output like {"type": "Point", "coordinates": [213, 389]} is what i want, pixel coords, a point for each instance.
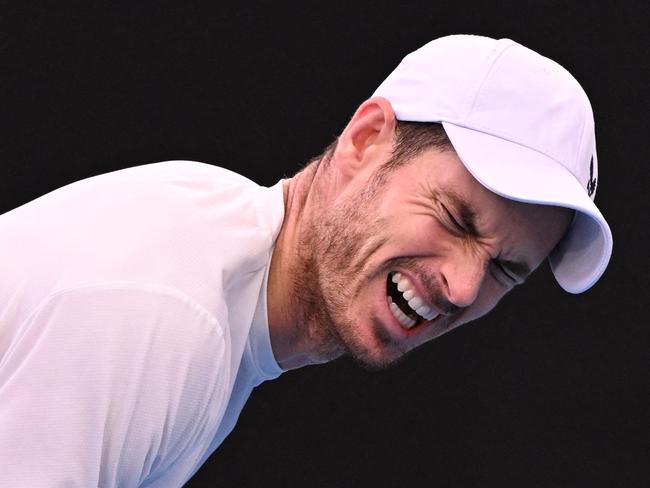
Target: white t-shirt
{"type": "Point", "coordinates": [133, 324]}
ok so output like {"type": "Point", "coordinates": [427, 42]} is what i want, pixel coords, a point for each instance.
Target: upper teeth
{"type": "Point", "coordinates": [415, 301]}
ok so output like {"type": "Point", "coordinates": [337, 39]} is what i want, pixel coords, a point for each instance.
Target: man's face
{"type": "Point", "coordinates": [427, 237]}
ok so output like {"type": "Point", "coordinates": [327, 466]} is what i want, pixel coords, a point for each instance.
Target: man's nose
{"type": "Point", "coordinates": [463, 277]}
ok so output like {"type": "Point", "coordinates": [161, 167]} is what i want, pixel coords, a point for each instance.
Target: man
{"type": "Point", "coordinates": [141, 307]}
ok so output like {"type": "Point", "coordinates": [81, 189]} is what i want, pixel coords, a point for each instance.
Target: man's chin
{"type": "Point", "coordinates": [377, 363]}
{"type": "Point", "coordinates": [384, 353]}
{"type": "Point", "coordinates": [372, 348]}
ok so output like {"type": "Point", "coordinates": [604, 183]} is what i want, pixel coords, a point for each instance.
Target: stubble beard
{"type": "Point", "coordinates": [332, 272]}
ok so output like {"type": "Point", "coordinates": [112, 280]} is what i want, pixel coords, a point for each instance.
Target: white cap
{"type": "Point", "coordinates": [521, 125]}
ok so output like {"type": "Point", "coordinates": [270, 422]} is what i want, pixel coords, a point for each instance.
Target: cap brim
{"type": "Point", "coordinates": [582, 255]}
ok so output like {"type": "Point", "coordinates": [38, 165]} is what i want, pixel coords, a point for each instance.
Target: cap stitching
{"type": "Point", "coordinates": [487, 73]}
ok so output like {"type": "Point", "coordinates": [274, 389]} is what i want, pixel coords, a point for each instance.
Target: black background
{"type": "Point", "coordinates": [549, 390]}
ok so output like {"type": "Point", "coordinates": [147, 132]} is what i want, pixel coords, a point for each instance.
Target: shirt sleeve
{"type": "Point", "coordinates": [111, 386]}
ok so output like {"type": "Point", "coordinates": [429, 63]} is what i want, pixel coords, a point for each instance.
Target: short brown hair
{"type": "Point", "coordinates": [411, 139]}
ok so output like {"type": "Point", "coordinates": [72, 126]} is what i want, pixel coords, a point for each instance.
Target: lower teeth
{"type": "Point", "coordinates": [403, 319]}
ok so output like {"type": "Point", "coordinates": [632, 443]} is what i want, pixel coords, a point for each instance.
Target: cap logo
{"type": "Point", "coordinates": [591, 184]}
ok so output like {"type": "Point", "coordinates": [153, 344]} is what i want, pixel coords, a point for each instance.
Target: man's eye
{"type": "Point", "coordinates": [452, 220]}
{"type": "Point", "coordinates": [504, 272]}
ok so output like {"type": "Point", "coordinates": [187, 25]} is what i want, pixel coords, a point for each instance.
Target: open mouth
{"type": "Point", "coordinates": [408, 308]}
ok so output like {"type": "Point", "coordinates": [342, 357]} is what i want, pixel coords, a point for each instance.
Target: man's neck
{"type": "Point", "coordinates": [292, 344]}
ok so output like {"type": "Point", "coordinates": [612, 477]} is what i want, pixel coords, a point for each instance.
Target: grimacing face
{"type": "Point", "coordinates": [429, 232]}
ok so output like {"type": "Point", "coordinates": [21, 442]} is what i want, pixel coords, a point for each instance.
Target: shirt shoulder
{"type": "Point", "coordinates": [191, 226]}
{"type": "Point", "coordinates": [112, 383]}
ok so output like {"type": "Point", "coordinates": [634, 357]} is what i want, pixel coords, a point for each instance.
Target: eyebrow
{"type": "Point", "coordinates": [467, 216]}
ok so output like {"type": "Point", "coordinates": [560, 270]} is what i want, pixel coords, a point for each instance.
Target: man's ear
{"type": "Point", "coordinates": [367, 138]}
